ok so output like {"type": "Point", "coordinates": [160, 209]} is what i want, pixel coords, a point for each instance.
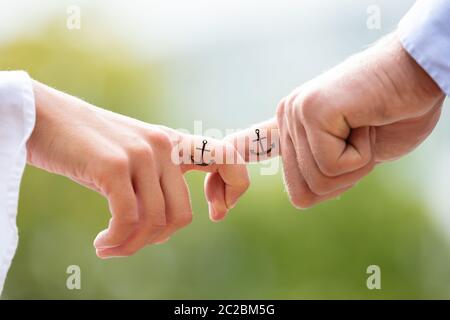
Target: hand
{"type": "Point", "coordinates": [132, 164]}
{"type": "Point", "coordinates": [375, 107]}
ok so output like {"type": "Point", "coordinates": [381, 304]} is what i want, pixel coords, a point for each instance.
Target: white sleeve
{"type": "Point", "coordinates": [425, 34]}
{"type": "Point", "coordinates": [17, 118]}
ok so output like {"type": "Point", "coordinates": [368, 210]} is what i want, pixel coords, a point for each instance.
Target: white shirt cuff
{"type": "Point", "coordinates": [17, 118]}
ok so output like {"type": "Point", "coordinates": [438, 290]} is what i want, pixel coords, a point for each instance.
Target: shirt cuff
{"type": "Point", "coordinates": [17, 119]}
{"type": "Point", "coordinates": [425, 34]}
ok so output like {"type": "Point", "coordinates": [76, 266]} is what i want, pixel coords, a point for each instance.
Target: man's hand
{"type": "Point", "coordinates": [376, 106]}
{"type": "Point", "coordinates": [131, 163]}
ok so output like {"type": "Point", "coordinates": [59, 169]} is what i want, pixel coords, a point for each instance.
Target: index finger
{"type": "Point", "coordinates": [258, 142]}
{"type": "Point", "coordinates": [220, 157]}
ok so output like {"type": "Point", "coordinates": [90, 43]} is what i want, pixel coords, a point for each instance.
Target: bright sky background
{"type": "Point", "coordinates": [168, 26]}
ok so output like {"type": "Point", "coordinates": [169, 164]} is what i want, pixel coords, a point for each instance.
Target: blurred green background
{"type": "Point", "coordinates": [265, 248]}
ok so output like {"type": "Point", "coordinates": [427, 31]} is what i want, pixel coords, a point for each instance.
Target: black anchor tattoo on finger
{"type": "Point", "coordinates": [260, 150]}
{"type": "Point", "coordinates": [202, 162]}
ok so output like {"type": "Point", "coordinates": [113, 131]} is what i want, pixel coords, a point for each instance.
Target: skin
{"type": "Point", "coordinates": [377, 106]}
{"type": "Point", "coordinates": [132, 164]}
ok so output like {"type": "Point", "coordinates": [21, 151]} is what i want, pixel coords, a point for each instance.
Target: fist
{"type": "Point", "coordinates": [376, 106]}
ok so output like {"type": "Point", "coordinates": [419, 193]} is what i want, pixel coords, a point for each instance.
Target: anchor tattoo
{"type": "Point", "coordinates": [261, 146]}
{"type": "Point", "coordinates": [202, 162]}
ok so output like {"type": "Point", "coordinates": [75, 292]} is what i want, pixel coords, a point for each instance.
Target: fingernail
{"type": "Point", "coordinates": [220, 214]}
{"type": "Point", "coordinates": [211, 211]}
{"type": "Point", "coordinates": [214, 214]}
{"type": "Point", "coordinates": [103, 257]}
{"type": "Point", "coordinates": [110, 257]}
{"type": "Point", "coordinates": [101, 240]}
{"type": "Point", "coordinates": [101, 245]}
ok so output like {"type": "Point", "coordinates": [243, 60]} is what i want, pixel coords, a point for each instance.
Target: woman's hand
{"type": "Point", "coordinates": [138, 167]}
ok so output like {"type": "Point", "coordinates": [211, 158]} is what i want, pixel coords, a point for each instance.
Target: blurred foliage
{"type": "Point", "coordinates": [264, 249]}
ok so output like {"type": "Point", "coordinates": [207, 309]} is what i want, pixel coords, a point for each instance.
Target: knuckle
{"type": "Point", "coordinates": [116, 164]}
{"type": "Point", "coordinates": [128, 221]}
{"type": "Point", "coordinates": [301, 201]}
{"type": "Point", "coordinates": [153, 222]}
{"type": "Point", "coordinates": [320, 186]}
{"type": "Point", "coordinates": [129, 218]}
{"type": "Point", "coordinates": [281, 108]}
{"type": "Point", "coordinates": [160, 140]}
{"type": "Point", "coordinates": [300, 196]}
{"type": "Point", "coordinates": [305, 105]}
{"type": "Point", "coordinates": [141, 152]}
{"type": "Point", "coordinates": [158, 223]}
{"type": "Point", "coordinates": [183, 220]}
